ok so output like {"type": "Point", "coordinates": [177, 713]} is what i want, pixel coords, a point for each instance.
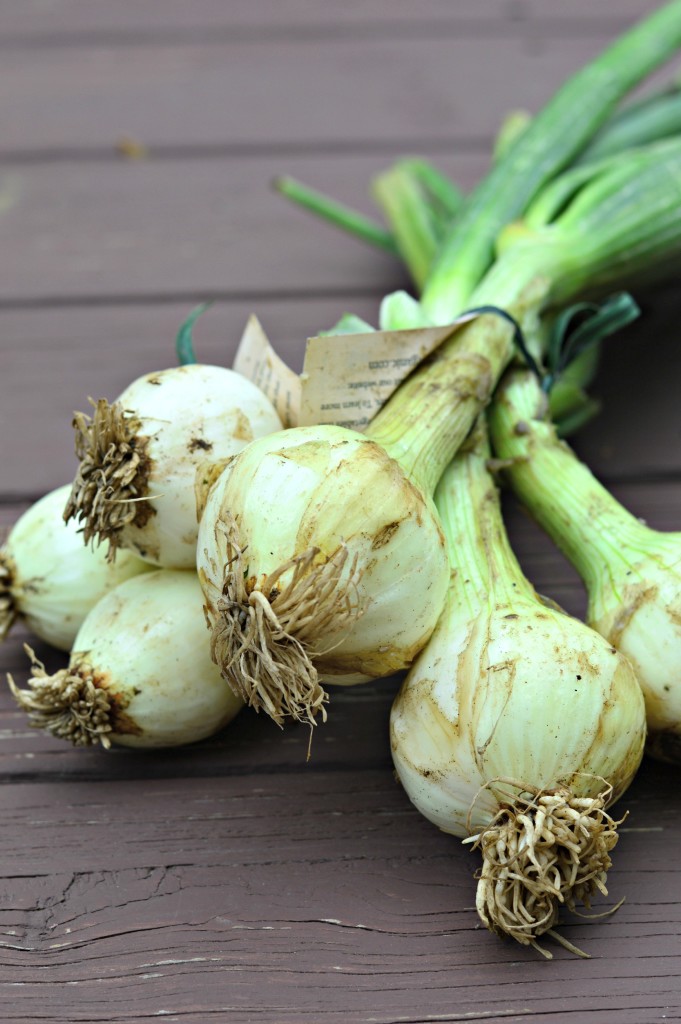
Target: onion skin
{"type": "Point", "coordinates": [53, 579]}
{"type": "Point", "coordinates": [638, 609]}
{"type": "Point", "coordinates": [520, 691]}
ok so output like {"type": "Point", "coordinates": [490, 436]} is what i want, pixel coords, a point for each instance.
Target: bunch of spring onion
{"type": "Point", "coordinates": [139, 456]}
{"type": "Point", "coordinates": [461, 742]}
{"type": "Point", "coordinates": [49, 579]}
{"type": "Point", "coordinates": [631, 571]}
{"type": "Point", "coordinates": [140, 672]}
{"type": "Point", "coordinates": [479, 733]}
{"type": "Point", "coordinates": [312, 542]}
{"type": "Point", "coordinates": [414, 210]}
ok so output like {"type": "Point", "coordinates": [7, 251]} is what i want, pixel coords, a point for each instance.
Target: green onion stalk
{"type": "Point", "coordinates": [551, 140]}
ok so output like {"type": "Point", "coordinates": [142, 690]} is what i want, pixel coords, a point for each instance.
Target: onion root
{"type": "Point", "coordinates": [111, 482]}
{"type": "Point", "coordinates": [8, 610]}
{"type": "Point", "coordinates": [262, 627]}
{"type": "Point", "coordinates": [545, 850]}
{"type": "Point", "coordinates": [68, 705]}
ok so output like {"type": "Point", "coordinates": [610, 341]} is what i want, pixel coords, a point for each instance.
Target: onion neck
{"type": "Point", "coordinates": [427, 419]}
{"type": "Point", "coordinates": [589, 525]}
{"type": "Point", "coordinates": [467, 499]}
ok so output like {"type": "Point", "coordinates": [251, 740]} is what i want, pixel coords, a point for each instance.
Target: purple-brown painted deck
{"type": "Point", "coordinates": [233, 881]}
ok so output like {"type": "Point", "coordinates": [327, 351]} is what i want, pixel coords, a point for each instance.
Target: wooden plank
{"type": "Point", "coordinates": [187, 228]}
{"type": "Point", "coordinates": [53, 359]}
{"type": "Point", "coordinates": [71, 19]}
{"type": "Point", "coordinates": [370, 91]}
{"type": "Point", "coordinates": [321, 898]}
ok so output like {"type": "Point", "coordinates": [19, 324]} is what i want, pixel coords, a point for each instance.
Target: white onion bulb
{"type": "Point", "coordinates": [139, 457]}
{"type": "Point", "coordinates": [140, 673]}
{"type": "Point", "coordinates": [319, 558]}
{"type": "Point", "coordinates": [517, 725]}
{"type": "Point", "coordinates": [49, 578]}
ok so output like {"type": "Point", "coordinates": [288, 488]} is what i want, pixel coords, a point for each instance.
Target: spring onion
{"type": "Point", "coordinates": [49, 579]}
{"type": "Point", "coordinates": [134, 487]}
{"type": "Point", "coordinates": [517, 725]}
{"type": "Point", "coordinates": [632, 572]}
{"type": "Point", "coordinates": [140, 673]}
{"type": "Point", "coordinates": [312, 544]}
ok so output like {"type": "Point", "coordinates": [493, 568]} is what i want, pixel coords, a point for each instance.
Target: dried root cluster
{"type": "Point", "coordinates": [110, 483]}
{"type": "Point", "coordinates": [7, 604]}
{"type": "Point", "coordinates": [67, 705]}
{"type": "Point", "coordinates": [545, 852]}
{"type": "Point", "coordinates": [264, 629]}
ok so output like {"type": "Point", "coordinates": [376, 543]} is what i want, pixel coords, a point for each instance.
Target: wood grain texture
{"type": "Point", "coordinates": [190, 227]}
{"type": "Point", "coordinates": [268, 95]}
{"type": "Point", "coordinates": [320, 896]}
{"type": "Point", "coordinates": [69, 20]}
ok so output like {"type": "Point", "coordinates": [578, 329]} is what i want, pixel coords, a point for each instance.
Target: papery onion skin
{"type": "Point", "coordinates": [321, 488]}
{"type": "Point", "coordinates": [53, 579]}
{"type": "Point", "coordinates": [143, 649]}
{"type": "Point", "coordinates": [181, 418]}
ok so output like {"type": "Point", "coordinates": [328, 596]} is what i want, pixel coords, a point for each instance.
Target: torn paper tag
{"type": "Point", "coordinates": [348, 377]}
{"type": "Point", "coordinates": [256, 359]}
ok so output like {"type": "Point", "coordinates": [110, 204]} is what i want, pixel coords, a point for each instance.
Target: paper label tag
{"type": "Point", "coordinates": [256, 359]}
{"type": "Point", "coordinates": [348, 377]}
